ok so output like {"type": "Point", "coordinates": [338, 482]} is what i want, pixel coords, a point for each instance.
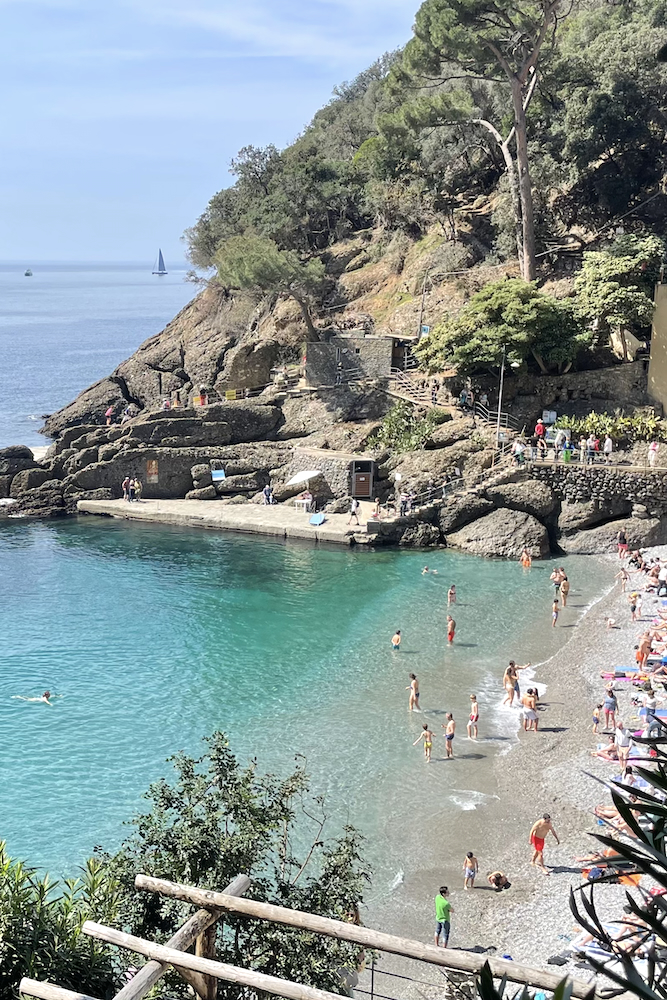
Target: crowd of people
{"type": "Point", "coordinates": [132, 488]}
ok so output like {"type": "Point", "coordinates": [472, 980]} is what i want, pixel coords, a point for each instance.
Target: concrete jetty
{"type": "Point", "coordinates": [278, 520]}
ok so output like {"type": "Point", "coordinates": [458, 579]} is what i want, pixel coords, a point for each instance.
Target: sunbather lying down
{"type": "Point", "coordinates": [606, 752]}
{"type": "Point", "coordinates": [628, 935]}
{"type": "Point", "coordinates": [598, 857]}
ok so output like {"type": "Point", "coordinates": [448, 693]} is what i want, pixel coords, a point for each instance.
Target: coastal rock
{"type": "Point", "coordinates": [575, 517]}
{"type": "Point", "coordinates": [530, 496]}
{"type": "Point", "coordinates": [327, 409]}
{"type": "Point", "coordinates": [602, 539]}
{"type": "Point", "coordinates": [5, 483]}
{"type": "Point", "coordinates": [447, 434]}
{"type": "Point", "coordinates": [72, 498]}
{"type": "Point", "coordinates": [15, 459]}
{"type": "Point", "coordinates": [462, 510]}
{"type": "Point", "coordinates": [232, 485]}
{"type": "Point", "coordinates": [201, 476]}
{"type": "Point", "coordinates": [43, 501]}
{"type": "Point", "coordinates": [27, 480]}
{"type": "Point", "coordinates": [206, 493]}
{"type": "Point", "coordinates": [502, 533]}
{"type": "Point", "coordinates": [420, 536]}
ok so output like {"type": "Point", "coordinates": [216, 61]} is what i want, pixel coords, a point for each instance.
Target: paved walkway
{"type": "Point", "coordinates": [279, 520]}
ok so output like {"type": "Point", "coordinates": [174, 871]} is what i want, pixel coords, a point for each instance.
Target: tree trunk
{"type": "Point", "coordinates": [514, 187]}
{"type": "Point", "coordinates": [540, 361]}
{"type": "Point", "coordinates": [525, 188]}
{"type": "Point", "coordinates": [305, 312]}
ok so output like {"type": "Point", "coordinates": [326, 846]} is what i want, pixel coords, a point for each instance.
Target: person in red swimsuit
{"type": "Point", "coordinates": [538, 834]}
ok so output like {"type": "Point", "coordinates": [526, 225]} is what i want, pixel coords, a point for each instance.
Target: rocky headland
{"type": "Point", "coordinates": [262, 427]}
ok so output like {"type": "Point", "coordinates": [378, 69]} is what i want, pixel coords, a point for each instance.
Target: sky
{"type": "Point", "coordinates": [120, 117]}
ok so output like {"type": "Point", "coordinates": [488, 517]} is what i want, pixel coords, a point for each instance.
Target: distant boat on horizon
{"type": "Point", "coordinates": [27, 273]}
{"type": "Point", "coordinates": [158, 266]}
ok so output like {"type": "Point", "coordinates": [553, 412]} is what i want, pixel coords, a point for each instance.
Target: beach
{"type": "Point", "coordinates": [549, 771]}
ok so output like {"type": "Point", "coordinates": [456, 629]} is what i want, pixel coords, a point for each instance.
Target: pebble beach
{"type": "Point", "coordinates": [551, 771]}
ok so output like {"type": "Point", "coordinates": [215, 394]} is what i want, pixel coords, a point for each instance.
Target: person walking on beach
{"type": "Point", "coordinates": [529, 702]}
{"type": "Point", "coordinates": [470, 869]}
{"type": "Point", "coordinates": [538, 833]}
{"type": "Point", "coordinates": [474, 718]}
{"type": "Point", "coordinates": [554, 612]}
{"type": "Point", "coordinates": [623, 576]}
{"type": "Point", "coordinates": [443, 912]}
{"type": "Point", "coordinates": [632, 601]}
{"type": "Point", "coordinates": [610, 706]}
{"type": "Point", "coordinates": [413, 688]}
{"type": "Point", "coordinates": [622, 543]}
{"type": "Point", "coordinates": [396, 639]}
{"type": "Point", "coordinates": [451, 595]}
{"type": "Point", "coordinates": [451, 629]}
{"type": "Point", "coordinates": [354, 508]}
{"type": "Point", "coordinates": [427, 736]}
{"type": "Point", "coordinates": [623, 742]}
{"type": "Point", "coordinates": [564, 586]}
{"type": "Point", "coordinates": [450, 730]}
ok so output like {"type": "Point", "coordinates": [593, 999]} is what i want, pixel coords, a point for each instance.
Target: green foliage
{"type": "Point", "coordinates": [621, 428]}
{"type": "Point", "coordinates": [511, 313]}
{"type": "Point", "coordinates": [615, 285]}
{"type": "Point", "coordinates": [257, 264]}
{"type": "Point", "coordinates": [407, 429]}
{"type": "Point", "coordinates": [218, 819]}
{"type": "Point", "coordinates": [40, 927]}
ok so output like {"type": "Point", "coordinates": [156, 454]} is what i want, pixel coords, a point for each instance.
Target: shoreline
{"type": "Point", "coordinates": [543, 772]}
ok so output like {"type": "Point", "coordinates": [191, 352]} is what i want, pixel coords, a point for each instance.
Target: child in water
{"type": "Point", "coordinates": [427, 736]}
{"type": "Point", "coordinates": [554, 613]}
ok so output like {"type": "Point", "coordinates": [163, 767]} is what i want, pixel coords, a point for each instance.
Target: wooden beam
{"type": "Point", "coordinates": [47, 991]}
{"type": "Point", "coordinates": [365, 936]}
{"type": "Point", "coordinates": [230, 973]}
{"type": "Point", "coordinates": [184, 938]}
{"type": "Point", "coordinates": [205, 948]}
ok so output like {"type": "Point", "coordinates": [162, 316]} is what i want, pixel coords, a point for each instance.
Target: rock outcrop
{"type": "Point", "coordinates": [502, 533]}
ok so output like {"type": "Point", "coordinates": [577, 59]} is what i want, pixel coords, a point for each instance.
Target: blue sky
{"type": "Point", "coordinates": [120, 117]}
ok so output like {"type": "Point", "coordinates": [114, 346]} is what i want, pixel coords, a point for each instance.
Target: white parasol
{"type": "Point", "coordinates": [303, 477]}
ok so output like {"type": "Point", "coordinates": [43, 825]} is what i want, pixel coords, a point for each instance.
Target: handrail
{"type": "Point", "coordinates": [490, 416]}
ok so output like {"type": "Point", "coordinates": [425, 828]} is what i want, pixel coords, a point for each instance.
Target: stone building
{"type": "Point", "coordinates": [349, 356]}
{"type": "Point", "coordinates": [345, 474]}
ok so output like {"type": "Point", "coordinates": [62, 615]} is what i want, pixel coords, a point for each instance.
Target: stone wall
{"type": "Point", "coordinates": [582, 484]}
{"type": "Point", "coordinates": [622, 385]}
{"type": "Point", "coordinates": [335, 466]}
{"type": "Point", "coordinates": [359, 356]}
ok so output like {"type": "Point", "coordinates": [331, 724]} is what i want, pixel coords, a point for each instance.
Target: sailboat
{"type": "Point", "coordinates": [158, 267]}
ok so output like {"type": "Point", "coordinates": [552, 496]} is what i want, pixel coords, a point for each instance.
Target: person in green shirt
{"type": "Point", "coordinates": [443, 911]}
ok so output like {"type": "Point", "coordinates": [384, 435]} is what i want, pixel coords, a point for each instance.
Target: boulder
{"type": "Point", "coordinates": [325, 409]}
{"type": "Point", "coordinates": [15, 459]}
{"type": "Point", "coordinates": [207, 493]}
{"type": "Point", "coordinates": [602, 539]}
{"type": "Point", "coordinates": [233, 485]}
{"type": "Point", "coordinates": [447, 434]}
{"type": "Point", "coordinates": [72, 498]}
{"type": "Point", "coordinates": [27, 480]}
{"type": "Point", "coordinates": [80, 459]}
{"type": "Point", "coordinates": [201, 476]}
{"type": "Point", "coordinates": [575, 517]}
{"type": "Point", "coordinates": [531, 497]}
{"type": "Point", "coordinates": [420, 536]}
{"type": "Point", "coordinates": [462, 510]}
{"type": "Point", "coordinates": [5, 483]}
{"type": "Point", "coordinates": [502, 533]}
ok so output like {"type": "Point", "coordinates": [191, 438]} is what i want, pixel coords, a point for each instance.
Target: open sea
{"type": "Point", "coordinates": [152, 637]}
{"type": "Point", "coordinates": [69, 325]}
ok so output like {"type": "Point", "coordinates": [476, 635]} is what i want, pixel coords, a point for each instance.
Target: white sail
{"type": "Point", "coordinates": [159, 267]}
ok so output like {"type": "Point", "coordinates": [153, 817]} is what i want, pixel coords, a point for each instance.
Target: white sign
{"type": "Point", "coordinates": [425, 330]}
{"type": "Point", "coordinates": [549, 416]}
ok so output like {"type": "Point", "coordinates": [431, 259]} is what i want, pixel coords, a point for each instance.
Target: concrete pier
{"type": "Point", "coordinates": [278, 520]}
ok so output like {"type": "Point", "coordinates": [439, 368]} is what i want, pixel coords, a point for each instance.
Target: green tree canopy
{"type": "Point", "coordinates": [615, 285]}
{"type": "Point", "coordinates": [257, 264]}
{"type": "Point", "coordinates": [512, 313]}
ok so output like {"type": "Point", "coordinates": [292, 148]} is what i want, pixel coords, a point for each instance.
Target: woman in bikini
{"type": "Point", "coordinates": [413, 688]}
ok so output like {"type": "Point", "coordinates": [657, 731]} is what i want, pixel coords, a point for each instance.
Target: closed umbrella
{"type": "Point", "coordinates": [303, 477]}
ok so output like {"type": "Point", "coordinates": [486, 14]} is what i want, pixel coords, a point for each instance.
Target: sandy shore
{"type": "Point", "coordinates": [545, 772]}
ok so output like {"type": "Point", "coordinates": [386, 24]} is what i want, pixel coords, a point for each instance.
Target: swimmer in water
{"type": "Point", "coordinates": [450, 729]}
{"type": "Point", "coordinates": [451, 629]}
{"type": "Point", "coordinates": [43, 698]}
{"type": "Point", "coordinates": [427, 736]}
{"type": "Point", "coordinates": [451, 595]}
{"type": "Point", "coordinates": [525, 559]}
{"type": "Point", "coordinates": [474, 718]}
{"type": "Point", "coordinates": [396, 640]}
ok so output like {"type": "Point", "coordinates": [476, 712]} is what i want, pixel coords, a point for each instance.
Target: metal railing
{"type": "Point", "coordinates": [489, 416]}
{"type": "Point", "coordinates": [403, 384]}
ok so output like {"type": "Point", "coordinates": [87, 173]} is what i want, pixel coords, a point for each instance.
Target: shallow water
{"type": "Point", "coordinates": [154, 637]}
{"type": "Point", "coordinates": [68, 326]}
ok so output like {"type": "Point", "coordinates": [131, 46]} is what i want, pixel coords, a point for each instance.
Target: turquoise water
{"type": "Point", "coordinates": [154, 637]}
